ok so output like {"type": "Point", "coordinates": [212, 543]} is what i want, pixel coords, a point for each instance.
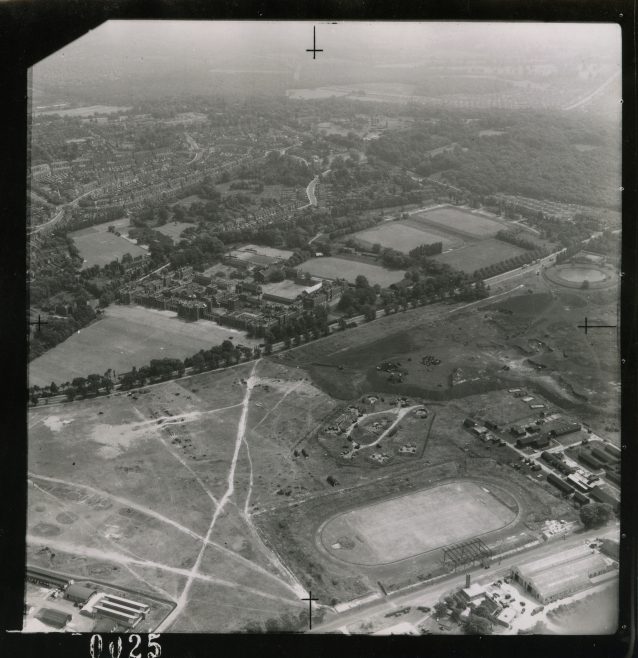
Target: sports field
{"type": "Point", "coordinates": [331, 267]}
{"type": "Point", "coordinates": [460, 221]}
{"type": "Point", "coordinates": [127, 336]}
{"type": "Point", "coordinates": [473, 256]}
{"type": "Point", "coordinates": [400, 236]}
{"type": "Point", "coordinates": [98, 246]}
{"type": "Point", "coordinates": [406, 526]}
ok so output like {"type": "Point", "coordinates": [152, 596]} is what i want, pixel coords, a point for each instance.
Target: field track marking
{"type": "Point", "coordinates": [250, 481]}
{"type": "Point", "coordinates": [160, 517]}
{"type": "Point", "coordinates": [123, 501]}
{"type": "Point", "coordinates": [401, 413]}
{"type": "Point", "coordinates": [192, 574]}
{"type": "Point", "coordinates": [272, 557]}
{"type": "Point", "coordinates": [208, 492]}
{"type": "Point", "coordinates": [120, 558]}
{"type": "Point", "coordinates": [37, 422]}
{"type": "Point", "coordinates": [158, 437]}
{"type": "Point", "coordinates": [94, 529]}
{"type": "Point", "coordinates": [283, 397]}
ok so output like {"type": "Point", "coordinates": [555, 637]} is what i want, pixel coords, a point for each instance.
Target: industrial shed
{"type": "Point", "coordinates": [53, 617]}
{"type": "Point", "coordinates": [541, 441]}
{"type": "Point", "coordinates": [580, 498]}
{"type": "Point", "coordinates": [557, 576]}
{"type": "Point", "coordinates": [612, 450]}
{"type": "Point", "coordinates": [587, 459]}
{"type": "Point", "coordinates": [613, 476]}
{"type": "Point", "coordinates": [563, 427]}
{"type": "Point", "coordinates": [129, 619]}
{"type": "Point", "coordinates": [559, 484]}
{"type": "Point", "coordinates": [602, 455]}
{"type": "Point", "coordinates": [79, 593]}
{"type": "Point", "coordinates": [602, 496]}
{"type": "Point", "coordinates": [525, 441]}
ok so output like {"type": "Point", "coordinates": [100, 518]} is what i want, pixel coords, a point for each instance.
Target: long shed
{"type": "Point", "coordinates": [54, 617]}
{"type": "Point", "coordinates": [559, 484]}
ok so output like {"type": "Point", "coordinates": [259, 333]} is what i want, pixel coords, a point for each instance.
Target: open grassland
{"type": "Point", "coordinates": [472, 257]}
{"type": "Point", "coordinates": [331, 267]}
{"type": "Point", "coordinates": [99, 247]}
{"type": "Point", "coordinates": [127, 336]}
{"type": "Point", "coordinates": [400, 236]}
{"type": "Point", "coordinates": [226, 473]}
{"type": "Point", "coordinates": [457, 220]}
{"type": "Point", "coordinates": [180, 465]}
{"type": "Point", "coordinates": [406, 526]}
{"type": "Point", "coordinates": [483, 341]}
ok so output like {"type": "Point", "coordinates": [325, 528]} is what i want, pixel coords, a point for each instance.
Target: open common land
{"type": "Point", "coordinates": [128, 336]}
{"type": "Point", "coordinates": [225, 488]}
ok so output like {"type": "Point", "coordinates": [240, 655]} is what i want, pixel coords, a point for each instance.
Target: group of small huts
{"type": "Point", "coordinates": [605, 458]}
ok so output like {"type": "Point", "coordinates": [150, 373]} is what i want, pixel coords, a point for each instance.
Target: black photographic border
{"type": "Point", "coordinates": [31, 30]}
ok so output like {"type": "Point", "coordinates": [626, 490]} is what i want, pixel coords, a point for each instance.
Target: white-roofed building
{"type": "Point", "coordinates": [557, 576]}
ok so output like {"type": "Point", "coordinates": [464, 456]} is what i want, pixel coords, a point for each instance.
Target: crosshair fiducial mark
{"type": "Point", "coordinates": [314, 50]}
{"type": "Point", "coordinates": [588, 326]}
{"type": "Point", "coordinates": [310, 599]}
{"type": "Point", "coordinates": [38, 322]}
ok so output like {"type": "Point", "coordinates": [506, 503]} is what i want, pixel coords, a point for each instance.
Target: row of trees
{"type": "Point", "coordinates": [422, 285]}
{"type": "Point", "coordinates": [517, 239]}
{"type": "Point", "coordinates": [509, 264]}
{"type": "Point", "coordinates": [89, 386]}
{"type": "Point", "coordinates": [426, 250]}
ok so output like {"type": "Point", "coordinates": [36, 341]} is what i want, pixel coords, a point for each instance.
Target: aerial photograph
{"type": "Point", "coordinates": [324, 329]}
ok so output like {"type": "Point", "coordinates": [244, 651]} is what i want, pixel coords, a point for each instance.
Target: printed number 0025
{"type": "Point", "coordinates": [115, 648]}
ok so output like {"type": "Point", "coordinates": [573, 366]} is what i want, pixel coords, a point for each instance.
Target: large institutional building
{"type": "Point", "coordinates": [557, 576]}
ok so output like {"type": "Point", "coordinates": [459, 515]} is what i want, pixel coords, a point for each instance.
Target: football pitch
{"type": "Point", "coordinates": [128, 336]}
{"type": "Point", "coordinates": [100, 247]}
{"type": "Point", "coordinates": [401, 236]}
{"type": "Point", "coordinates": [457, 220]}
{"type": "Point", "coordinates": [407, 526]}
{"type": "Point", "coordinates": [330, 267]}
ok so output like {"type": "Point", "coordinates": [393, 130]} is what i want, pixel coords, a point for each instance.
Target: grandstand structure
{"type": "Point", "coordinates": [466, 553]}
